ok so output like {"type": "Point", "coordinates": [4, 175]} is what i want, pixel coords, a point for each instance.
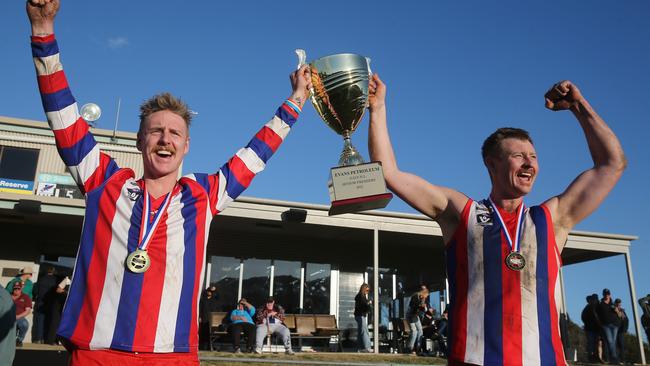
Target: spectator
{"type": "Point", "coordinates": [207, 305]}
{"type": "Point", "coordinates": [269, 320]}
{"type": "Point", "coordinates": [622, 329]}
{"type": "Point", "coordinates": [7, 329]}
{"type": "Point", "coordinates": [241, 319]}
{"type": "Point", "coordinates": [23, 308]}
{"type": "Point", "coordinates": [362, 306]}
{"type": "Point", "coordinates": [24, 276]}
{"type": "Point", "coordinates": [58, 300]}
{"type": "Point", "coordinates": [43, 297]}
{"type": "Point", "coordinates": [644, 302]}
{"type": "Point", "coordinates": [610, 321]}
{"type": "Point", "coordinates": [592, 327]}
{"type": "Point", "coordinates": [417, 304]}
{"type": "Point", "coordinates": [441, 324]}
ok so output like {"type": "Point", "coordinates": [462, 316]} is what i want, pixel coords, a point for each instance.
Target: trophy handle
{"type": "Point", "coordinates": [302, 57]}
{"type": "Point", "coordinates": [368, 59]}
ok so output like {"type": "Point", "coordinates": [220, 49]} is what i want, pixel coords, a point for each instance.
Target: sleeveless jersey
{"type": "Point", "coordinates": [109, 307]}
{"type": "Point", "coordinates": [500, 316]}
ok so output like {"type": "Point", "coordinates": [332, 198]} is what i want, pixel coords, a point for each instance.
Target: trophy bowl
{"type": "Point", "coordinates": [340, 95]}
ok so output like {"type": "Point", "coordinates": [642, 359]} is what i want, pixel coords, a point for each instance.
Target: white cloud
{"type": "Point", "coordinates": [117, 42]}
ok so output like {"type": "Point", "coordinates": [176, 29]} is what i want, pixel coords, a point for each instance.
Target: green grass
{"type": "Point", "coordinates": [307, 357]}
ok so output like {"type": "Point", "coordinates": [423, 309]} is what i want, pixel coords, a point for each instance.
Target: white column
{"type": "Point", "coordinates": [334, 293]}
{"type": "Point", "coordinates": [208, 272]}
{"type": "Point", "coordinates": [637, 322]}
{"type": "Point", "coordinates": [272, 277]}
{"type": "Point", "coordinates": [302, 284]}
{"type": "Point", "coordinates": [241, 278]}
{"type": "Point", "coordinates": [375, 288]}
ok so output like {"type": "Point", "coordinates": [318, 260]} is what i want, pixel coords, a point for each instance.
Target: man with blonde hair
{"type": "Point", "coordinates": [139, 270]}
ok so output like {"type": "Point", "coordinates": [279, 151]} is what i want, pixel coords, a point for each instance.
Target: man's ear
{"type": "Point", "coordinates": [138, 142]}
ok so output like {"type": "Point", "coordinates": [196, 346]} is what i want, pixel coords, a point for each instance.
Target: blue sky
{"type": "Point", "coordinates": [455, 73]}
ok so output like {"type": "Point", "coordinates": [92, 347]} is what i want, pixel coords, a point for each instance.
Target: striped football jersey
{"type": "Point", "coordinates": [500, 316]}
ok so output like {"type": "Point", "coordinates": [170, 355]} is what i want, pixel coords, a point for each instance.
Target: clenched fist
{"type": "Point", "coordinates": [562, 96]}
{"type": "Point", "coordinates": [41, 14]}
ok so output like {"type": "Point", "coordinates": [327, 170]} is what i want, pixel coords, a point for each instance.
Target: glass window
{"type": "Point", "coordinates": [256, 281]}
{"type": "Point", "coordinates": [317, 288]}
{"type": "Point", "coordinates": [18, 163]}
{"type": "Point", "coordinates": [225, 276]}
{"type": "Point", "coordinates": [286, 285]}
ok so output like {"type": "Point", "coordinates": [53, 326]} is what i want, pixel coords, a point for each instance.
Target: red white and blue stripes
{"type": "Point", "coordinates": [499, 316]}
{"type": "Point", "coordinates": [108, 306]}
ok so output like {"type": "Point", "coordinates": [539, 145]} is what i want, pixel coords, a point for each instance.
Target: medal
{"type": "Point", "coordinates": [515, 260]}
{"type": "Point", "coordinates": [139, 261]}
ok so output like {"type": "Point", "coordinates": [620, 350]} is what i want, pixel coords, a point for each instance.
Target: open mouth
{"type": "Point", "coordinates": [525, 175]}
{"type": "Point", "coordinates": [165, 154]}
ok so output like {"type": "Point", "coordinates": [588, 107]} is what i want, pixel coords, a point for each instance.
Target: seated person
{"type": "Point", "coordinates": [23, 308]}
{"type": "Point", "coordinates": [270, 320]}
{"type": "Point", "coordinates": [241, 319]}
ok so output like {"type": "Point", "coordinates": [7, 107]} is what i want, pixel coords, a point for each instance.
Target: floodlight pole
{"type": "Point", "coordinates": [117, 119]}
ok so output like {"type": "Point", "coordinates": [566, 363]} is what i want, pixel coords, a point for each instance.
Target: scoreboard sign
{"type": "Point", "coordinates": [57, 185]}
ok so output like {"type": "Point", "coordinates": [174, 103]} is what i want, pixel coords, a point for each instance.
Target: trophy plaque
{"type": "Point", "coordinates": [340, 97]}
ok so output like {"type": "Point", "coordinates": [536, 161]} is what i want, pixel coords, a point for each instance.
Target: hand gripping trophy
{"type": "Point", "coordinates": [340, 97]}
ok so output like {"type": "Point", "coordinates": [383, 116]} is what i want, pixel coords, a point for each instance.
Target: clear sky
{"type": "Point", "coordinates": [455, 73]}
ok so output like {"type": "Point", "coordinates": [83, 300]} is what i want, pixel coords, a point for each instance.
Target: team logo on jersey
{"type": "Point", "coordinates": [483, 216]}
{"type": "Point", "coordinates": [134, 193]}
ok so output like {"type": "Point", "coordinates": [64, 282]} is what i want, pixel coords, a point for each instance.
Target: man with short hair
{"type": "Point", "coordinates": [503, 258]}
{"type": "Point", "coordinates": [269, 320]}
{"type": "Point", "coordinates": [592, 326]}
{"type": "Point", "coordinates": [140, 265]}
{"type": "Point", "coordinates": [43, 301]}
{"type": "Point", "coordinates": [23, 308]}
{"type": "Point", "coordinates": [25, 276]}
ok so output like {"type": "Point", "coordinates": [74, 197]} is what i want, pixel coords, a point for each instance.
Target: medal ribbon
{"type": "Point", "coordinates": [148, 228]}
{"type": "Point", "coordinates": [514, 246]}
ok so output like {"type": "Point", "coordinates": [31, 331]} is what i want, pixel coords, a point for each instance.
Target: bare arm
{"type": "Point", "coordinates": [24, 313]}
{"type": "Point", "coordinates": [441, 204]}
{"type": "Point", "coordinates": [591, 187]}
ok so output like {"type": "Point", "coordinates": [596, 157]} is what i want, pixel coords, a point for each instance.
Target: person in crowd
{"type": "Point", "coordinates": [610, 321]}
{"type": "Point", "coordinates": [25, 276]}
{"type": "Point", "coordinates": [241, 320]}
{"type": "Point", "coordinates": [207, 305]}
{"type": "Point", "coordinates": [622, 330]}
{"type": "Point", "coordinates": [417, 305]}
{"type": "Point", "coordinates": [269, 320]}
{"type": "Point", "coordinates": [441, 326]}
{"type": "Point", "coordinates": [23, 308]}
{"type": "Point", "coordinates": [503, 257]}
{"type": "Point", "coordinates": [43, 297]}
{"type": "Point", "coordinates": [139, 300]}
{"type": "Point", "coordinates": [644, 302]}
{"type": "Point", "coordinates": [362, 307]}
{"type": "Point", "coordinates": [7, 328]}
{"type": "Point", "coordinates": [592, 327]}
{"type": "Point", "coordinates": [58, 301]}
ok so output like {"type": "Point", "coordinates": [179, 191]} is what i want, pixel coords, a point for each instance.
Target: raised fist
{"type": "Point", "coordinates": [562, 96]}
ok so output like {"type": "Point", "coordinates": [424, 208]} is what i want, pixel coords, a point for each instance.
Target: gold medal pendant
{"type": "Point", "coordinates": [138, 261]}
{"type": "Point", "coordinates": [515, 261]}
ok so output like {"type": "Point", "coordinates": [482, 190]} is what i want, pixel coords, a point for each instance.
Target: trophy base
{"type": "Point", "coordinates": [357, 204]}
{"type": "Point", "coordinates": [357, 188]}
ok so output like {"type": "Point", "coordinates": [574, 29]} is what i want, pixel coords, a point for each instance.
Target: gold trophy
{"type": "Point", "coordinates": [340, 97]}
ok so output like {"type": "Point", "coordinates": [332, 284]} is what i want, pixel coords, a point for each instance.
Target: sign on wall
{"type": "Point", "coordinates": [16, 186]}
{"type": "Point", "coordinates": [57, 185]}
